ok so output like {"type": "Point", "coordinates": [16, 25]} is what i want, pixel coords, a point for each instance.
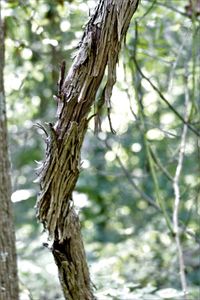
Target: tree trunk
{"type": "Point", "coordinates": [98, 48]}
{"type": "Point", "coordinates": [8, 266]}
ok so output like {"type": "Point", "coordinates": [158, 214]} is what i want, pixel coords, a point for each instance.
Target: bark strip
{"type": "Point", "coordinates": [99, 47]}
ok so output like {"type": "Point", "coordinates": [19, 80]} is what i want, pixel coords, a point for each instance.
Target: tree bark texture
{"type": "Point", "coordinates": [98, 49]}
{"type": "Point", "coordinates": [8, 265]}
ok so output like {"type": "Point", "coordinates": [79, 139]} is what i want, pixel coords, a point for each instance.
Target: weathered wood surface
{"type": "Point", "coordinates": [8, 263]}
{"type": "Point", "coordinates": [98, 49]}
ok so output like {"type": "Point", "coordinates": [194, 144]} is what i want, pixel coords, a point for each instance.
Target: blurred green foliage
{"type": "Point", "coordinates": [131, 253]}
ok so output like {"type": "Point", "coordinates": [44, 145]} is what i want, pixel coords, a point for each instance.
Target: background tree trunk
{"type": "Point", "coordinates": [99, 48]}
{"type": "Point", "coordinates": [8, 265]}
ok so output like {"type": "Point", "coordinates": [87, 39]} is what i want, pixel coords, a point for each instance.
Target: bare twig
{"type": "Point", "coordinates": [160, 165]}
{"type": "Point", "coordinates": [127, 90]}
{"type": "Point", "coordinates": [174, 9]}
{"type": "Point", "coordinates": [148, 10]}
{"type": "Point", "coordinates": [165, 100]}
{"type": "Point", "coordinates": [175, 63]}
{"type": "Point", "coordinates": [147, 198]}
{"type": "Point", "coordinates": [138, 94]}
{"type": "Point", "coordinates": [131, 181]}
{"type": "Point", "coordinates": [177, 197]}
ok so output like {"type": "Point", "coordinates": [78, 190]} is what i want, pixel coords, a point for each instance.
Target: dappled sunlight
{"type": "Point", "coordinates": [155, 134]}
{"type": "Point", "coordinates": [124, 196]}
{"type": "Point", "coordinates": [136, 147]}
{"type": "Point", "coordinates": [81, 200]}
{"type": "Point", "coordinates": [21, 195]}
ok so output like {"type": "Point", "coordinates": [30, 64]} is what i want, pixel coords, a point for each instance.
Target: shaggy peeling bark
{"type": "Point", "coordinates": [99, 48]}
{"type": "Point", "coordinates": [8, 265]}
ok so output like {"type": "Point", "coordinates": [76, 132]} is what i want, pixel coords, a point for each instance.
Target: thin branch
{"type": "Point", "coordinates": [148, 10]}
{"type": "Point", "coordinates": [159, 127]}
{"type": "Point", "coordinates": [127, 91]}
{"type": "Point", "coordinates": [177, 197]}
{"type": "Point", "coordinates": [193, 235]}
{"type": "Point", "coordinates": [164, 99]}
{"type": "Point", "coordinates": [174, 9]}
{"type": "Point", "coordinates": [175, 63]}
{"type": "Point", "coordinates": [160, 165]}
{"type": "Point", "coordinates": [147, 53]}
{"type": "Point", "coordinates": [147, 198]}
{"type": "Point", "coordinates": [159, 200]}
{"type": "Point", "coordinates": [131, 181]}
